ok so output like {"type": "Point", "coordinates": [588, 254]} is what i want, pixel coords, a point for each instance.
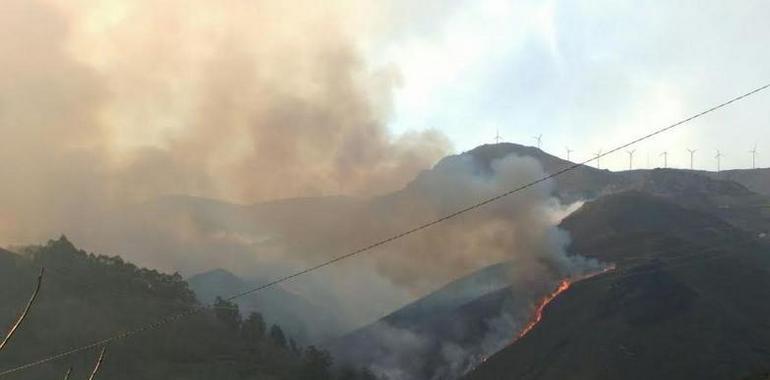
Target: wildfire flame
{"type": "Point", "coordinates": [563, 286]}
{"type": "Point", "coordinates": [538, 315]}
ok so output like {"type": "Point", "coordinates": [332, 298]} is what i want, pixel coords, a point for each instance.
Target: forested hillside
{"type": "Point", "coordinates": [86, 297]}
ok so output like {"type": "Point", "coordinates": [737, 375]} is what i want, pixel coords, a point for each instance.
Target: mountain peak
{"type": "Point", "coordinates": [485, 154]}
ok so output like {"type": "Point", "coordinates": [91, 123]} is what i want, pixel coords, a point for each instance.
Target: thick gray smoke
{"type": "Point", "coordinates": [515, 241]}
{"type": "Point", "coordinates": [104, 105]}
{"type": "Point", "coordinates": [519, 229]}
{"type": "Point", "coordinates": [119, 118]}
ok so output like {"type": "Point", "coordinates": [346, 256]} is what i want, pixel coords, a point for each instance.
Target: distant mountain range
{"type": "Point", "coordinates": [587, 182]}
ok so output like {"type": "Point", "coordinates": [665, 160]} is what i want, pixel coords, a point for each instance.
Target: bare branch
{"type": "Point", "coordinates": [98, 364]}
{"type": "Point", "coordinates": [67, 375]}
{"type": "Point", "coordinates": [24, 314]}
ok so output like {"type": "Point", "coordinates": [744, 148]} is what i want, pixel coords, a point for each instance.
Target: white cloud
{"type": "Point", "coordinates": [590, 75]}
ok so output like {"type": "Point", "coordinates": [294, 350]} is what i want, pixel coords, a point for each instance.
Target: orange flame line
{"type": "Point", "coordinates": [563, 286]}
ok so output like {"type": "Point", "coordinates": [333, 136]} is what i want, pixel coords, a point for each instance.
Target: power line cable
{"type": "Point", "coordinates": [626, 272]}
{"type": "Point", "coordinates": [171, 318]}
{"type": "Point", "coordinates": [66, 278]}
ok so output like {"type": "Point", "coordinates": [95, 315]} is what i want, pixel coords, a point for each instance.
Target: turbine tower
{"type": "Point", "coordinates": [665, 159]}
{"type": "Point", "coordinates": [631, 158]}
{"type": "Point", "coordinates": [719, 160]}
{"type": "Point", "coordinates": [598, 158]}
{"type": "Point", "coordinates": [539, 140]}
{"type": "Point", "coordinates": [754, 157]}
{"type": "Point", "coordinates": [568, 151]}
{"type": "Point", "coordinates": [497, 137]}
{"type": "Point", "coordinates": [692, 157]}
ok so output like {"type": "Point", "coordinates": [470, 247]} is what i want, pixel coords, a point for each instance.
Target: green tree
{"type": "Point", "coordinates": [97, 295]}
{"type": "Point", "coordinates": [228, 313]}
{"type": "Point", "coordinates": [277, 335]}
{"type": "Point", "coordinates": [316, 364]}
{"type": "Point", "coordinates": [294, 347]}
{"type": "Point", "coordinates": [253, 328]}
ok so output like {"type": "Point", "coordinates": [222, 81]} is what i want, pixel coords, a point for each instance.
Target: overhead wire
{"type": "Point", "coordinates": [171, 318]}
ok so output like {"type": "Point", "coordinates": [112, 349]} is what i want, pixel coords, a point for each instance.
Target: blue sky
{"type": "Point", "coordinates": [586, 74]}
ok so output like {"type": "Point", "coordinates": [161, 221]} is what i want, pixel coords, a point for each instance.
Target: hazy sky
{"type": "Point", "coordinates": [251, 100]}
{"type": "Point", "coordinates": [588, 74]}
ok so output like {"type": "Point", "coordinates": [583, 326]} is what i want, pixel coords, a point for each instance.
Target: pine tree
{"type": "Point", "coordinates": [294, 347]}
{"type": "Point", "coordinates": [253, 329]}
{"type": "Point", "coordinates": [317, 364]}
{"type": "Point", "coordinates": [228, 313]}
{"type": "Point", "coordinates": [277, 335]}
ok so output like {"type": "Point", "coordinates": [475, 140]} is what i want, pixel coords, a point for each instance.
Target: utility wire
{"type": "Point", "coordinates": [500, 196]}
{"type": "Point", "coordinates": [673, 262]}
{"type": "Point", "coordinates": [164, 321]}
{"type": "Point", "coordinates": [66, 278]}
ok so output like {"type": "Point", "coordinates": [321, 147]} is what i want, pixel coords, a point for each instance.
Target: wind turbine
{"type": "Point", "coordinates": [497, 137]}
{"type": "Point", "coordinates": [631, 158]}
{"type": "Point", "coordinates": [665, 159]}
{"type": "Point", "coordinates": [719, 160]}
{"type": "Point", "coordinates": [598, 157]}
{"type": "Point", "coordinates": [754, 157]}
{"type": "Point", "coordinates": [539, 139]}
{"type": "Point", "coordinates": [692, 157]}
{"type": "Point", "coordinates": [568, 151]}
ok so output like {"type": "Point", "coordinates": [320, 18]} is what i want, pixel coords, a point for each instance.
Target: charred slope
{"type": "Point", "coordinates": [756, 180]}
{"type": "Point", "coordinates": [728, 200]}
{"type": "Point", "coordinates": [683, 304]}
{"type": "Point", "coordinates": [634, 229]}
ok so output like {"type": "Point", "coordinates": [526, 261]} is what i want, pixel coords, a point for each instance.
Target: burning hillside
{"type": "Point", "coordinates": [564, 285]}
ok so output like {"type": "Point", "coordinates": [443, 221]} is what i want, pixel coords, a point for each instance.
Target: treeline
{"type": "Point", "coordinates": [86, 297]}
{"type": "Point", "coordinates": [263, 343]}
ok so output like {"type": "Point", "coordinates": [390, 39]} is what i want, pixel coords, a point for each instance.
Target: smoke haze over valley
{"type": "Point", "coordinates": [310, 190]}
{"type": "Point", "coordinates": [254, 117]}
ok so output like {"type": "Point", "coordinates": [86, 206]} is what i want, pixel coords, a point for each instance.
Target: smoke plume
{"type": "Point", "coordinates": [506, 258]}
{"type": "Point", "coordinates": [108, 104]}
{"type": "Point", "coordinates": [122, 121]}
